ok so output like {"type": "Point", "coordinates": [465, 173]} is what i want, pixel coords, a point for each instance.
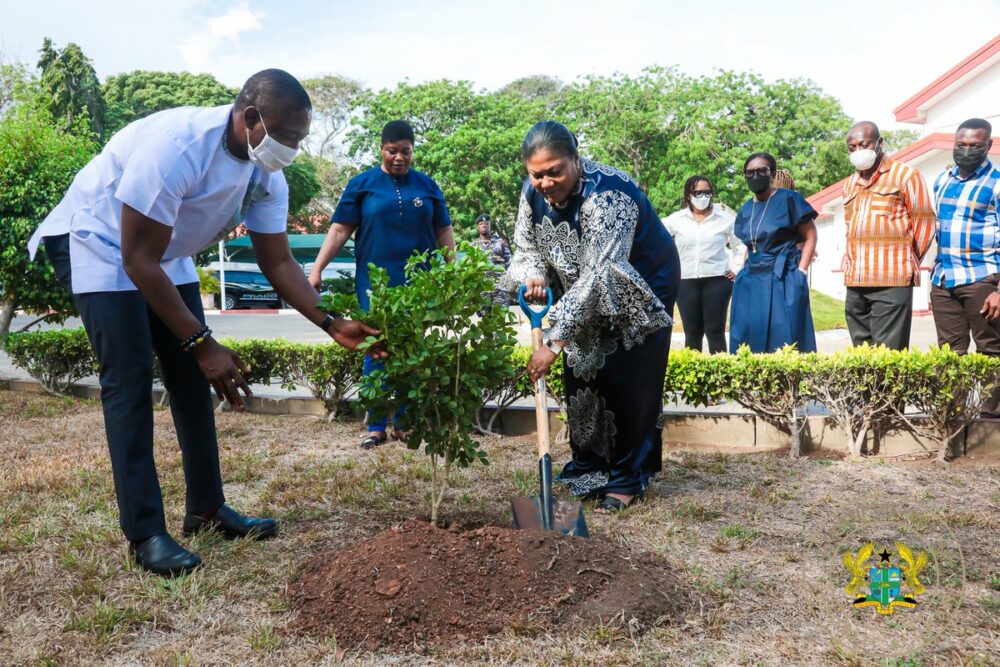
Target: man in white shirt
{"type": "Point", "coordinates": [122, 240]}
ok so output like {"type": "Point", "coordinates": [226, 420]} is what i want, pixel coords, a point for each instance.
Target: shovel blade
{"type": "Point", "coordinates": [567, 516]}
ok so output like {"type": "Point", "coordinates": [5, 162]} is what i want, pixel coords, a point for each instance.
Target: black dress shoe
{"type": "Point", "coordinates": [161, 554]}
{"type": "Point", "coordinates": [231, 524]}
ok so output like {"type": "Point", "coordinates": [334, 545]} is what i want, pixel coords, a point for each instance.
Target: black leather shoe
{"type": "Point", "coordinates": [231, 524]}
{"type": "Point", "coordinates": [161, 554]}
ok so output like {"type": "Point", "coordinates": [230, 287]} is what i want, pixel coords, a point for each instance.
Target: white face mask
{"type": "Point", "coordinates": [863, 158]}
{"type": "Point", "coordinates": [701, 202]}
{"type": "Point", "coordinates": [270, 155]}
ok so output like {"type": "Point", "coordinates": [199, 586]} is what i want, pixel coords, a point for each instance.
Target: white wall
{"type": "Point", "coordinates": [977, 98]}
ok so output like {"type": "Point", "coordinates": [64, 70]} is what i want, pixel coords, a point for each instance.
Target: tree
{"type": "Point", "coordinates": [17, 83]}
{"type": "Point", "coordinates": [137, 94]}
{"type": "Point", "coordinates": [536, 87]}
{"type": "Point", "coordinates": [74, 93]}
{"type": "Point", "coordinates": [303, 184]}
{"type": "Point", "coordinates": [332, 97]}
{"type": "Point", "coordinates": [663, 126]}
{"type": "Point", "coordinates": [37, 163]}
{"type": "Point", "coordinates": [441, 360]}
{"type": "Point", "coordinates": [467, 141]}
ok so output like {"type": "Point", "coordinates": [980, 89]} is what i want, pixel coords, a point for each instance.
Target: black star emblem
{"type": "Point", "coordinates": [884, 556]}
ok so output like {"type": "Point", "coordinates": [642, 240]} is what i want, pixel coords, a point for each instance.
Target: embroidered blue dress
{"type": "Point", "coordinates": [615, 270]}
{"type": "Point", "coordinates": [770, 305]}
{"type": "Point", "coordinates": [395, 216]}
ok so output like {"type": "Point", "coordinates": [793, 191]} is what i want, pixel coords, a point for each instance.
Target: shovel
{"type": "Point", "coordinates": [542, 512]}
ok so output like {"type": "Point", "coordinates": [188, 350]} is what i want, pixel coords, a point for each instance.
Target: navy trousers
{"type": "Point", "coordinates": [125, 333]}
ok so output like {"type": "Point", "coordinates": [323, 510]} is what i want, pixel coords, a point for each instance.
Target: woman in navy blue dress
{"type": "Point", "coordinates": [771, 293]}
{"type": "Point", "coordinates": [587, 231]}
{"type": "Point", "coordinates": [393, 211]}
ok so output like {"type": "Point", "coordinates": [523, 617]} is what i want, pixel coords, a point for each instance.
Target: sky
{"type": "Point", "coordinates": [871, 55]}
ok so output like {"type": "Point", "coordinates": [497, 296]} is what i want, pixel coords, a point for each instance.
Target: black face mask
{"type": "Point", "coordinates": [968, 158]}
{"type": "Point", "coordinates": [758, 183]}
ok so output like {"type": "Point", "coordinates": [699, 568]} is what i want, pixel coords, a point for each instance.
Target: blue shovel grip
{"type": "Point", "coordinates": [534, 316]}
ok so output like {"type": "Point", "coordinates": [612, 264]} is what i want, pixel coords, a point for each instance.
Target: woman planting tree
{"type": "Point", "coordinates": [587, 231]}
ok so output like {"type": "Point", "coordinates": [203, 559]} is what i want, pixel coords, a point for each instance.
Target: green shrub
{"type": "Point", "coordinates": [207, 282]}
{"type": "Point", "coordinates": [55, 358]}
{"type": "Point", "coordinates": [948, 388]}
{"type": "Point", "coordinates": [773, 387]}
{"type": "Point", "coordinates": [864, 389]}
{"type": "Point", "coordinates": [441, 360]}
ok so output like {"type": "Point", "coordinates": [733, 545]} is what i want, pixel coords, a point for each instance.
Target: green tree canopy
{"type": "Point", "coordinates": [303, 183]}
{"type": "Point", "coordinates": [74, 93]}
{"type": "Point", "coordinates": [37, 164]}
{"type": "Point", "coordinates": [140, 93]}
{"type": "Point", "coordinates": [663, 126]}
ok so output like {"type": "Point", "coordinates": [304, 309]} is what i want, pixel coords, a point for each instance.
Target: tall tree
{"type": "Point", "coordinates": [17, 83]}
{"type": "Point", "coordinates": [37, 163]}
{"type": "Point", "coordinates": [137, 94]}
{"type": "Point", "coordinates": [74, 93]}
{"type": "Point", "coordinates": [332, 98]}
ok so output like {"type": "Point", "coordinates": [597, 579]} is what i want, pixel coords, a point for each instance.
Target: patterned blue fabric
{"type": "Point", "coordinates": [770, 305]}
{"type": "Point", "coordinates": [395, 217]}
{"type": "Point", "coordinates": [616, 270]}
{"type": "Point", "coordinates": [968, 237]}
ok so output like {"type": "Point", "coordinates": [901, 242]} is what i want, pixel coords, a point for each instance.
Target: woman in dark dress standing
{"type": "Point", "coordinates": [587, 231]}
{"type": "Point", "coordinates": [771, 293]}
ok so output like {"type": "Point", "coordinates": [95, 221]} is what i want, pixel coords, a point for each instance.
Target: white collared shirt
{"type": "Point", "coordinates": [702, 246]}
{"type": "Point", "coordinates": [175, 168]}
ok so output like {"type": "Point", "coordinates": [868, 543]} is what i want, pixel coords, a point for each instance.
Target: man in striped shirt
{"type": "Point", "coordinates": [890, 224]}
{"type": "Point", "coordinates": [964, 292]}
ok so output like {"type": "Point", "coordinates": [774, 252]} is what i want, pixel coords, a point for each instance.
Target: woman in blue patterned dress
{"type": "Point", "coordinates": [771, 293]}
{"type": "Point", "coordinates": [587, 231]}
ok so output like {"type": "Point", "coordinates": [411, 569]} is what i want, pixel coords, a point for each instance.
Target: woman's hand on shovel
{"type": "Point", "coordinates": [534, 290]}
{"type": "Point", "coordinates": [540, 363]}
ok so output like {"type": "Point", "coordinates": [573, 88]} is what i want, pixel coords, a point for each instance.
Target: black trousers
{"type": "Point", "coordinates": [703, 304]}
{"type": "Point", "coordinates": [956, 316]}
{"type": "Point", "coordinates": [124, 333]}
{"type": "Point", "coordinates": [879, 315]}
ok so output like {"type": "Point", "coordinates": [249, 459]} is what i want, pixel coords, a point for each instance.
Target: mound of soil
{"type": "Point", "coordinates": [420, 585]}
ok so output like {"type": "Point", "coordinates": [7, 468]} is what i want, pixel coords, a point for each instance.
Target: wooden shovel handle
{"type": "Point", "coordinates": [541, 403]}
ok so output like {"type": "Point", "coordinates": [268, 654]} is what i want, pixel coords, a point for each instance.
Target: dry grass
{"type": "Point", "coordinates": [758, 537]}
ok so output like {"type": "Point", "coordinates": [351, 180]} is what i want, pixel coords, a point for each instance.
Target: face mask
{"type": "Point", "coordinates": [701, 202]}
{"type": "Point", "coordinates": [270, 155]}
{"type": "Point", "coordinates": [863, 158]}
{"type": "Point", "coordinates": [758, 183]}
{"type": "Point", "coordinates": [969, 158]}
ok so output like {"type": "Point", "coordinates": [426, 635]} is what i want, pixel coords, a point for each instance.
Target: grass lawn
{"type": "Point", "coordinates": [757, 538]}
{"type": "Point", "coordinates": [827, 312]}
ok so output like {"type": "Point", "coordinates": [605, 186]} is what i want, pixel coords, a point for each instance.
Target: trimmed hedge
{"type": "Point", "coordinates": [867, 390]}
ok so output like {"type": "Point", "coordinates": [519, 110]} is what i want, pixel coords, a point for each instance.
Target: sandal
{"type": "Point", "coordinates": [400, 435]}
{"type": "Point", "coordinates": [612, 505]}
{"type": "Point", "coordinates": [373, 441]}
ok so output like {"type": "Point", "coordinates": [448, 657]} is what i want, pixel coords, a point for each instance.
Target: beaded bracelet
{"type": "Point", "coordinates": [195, 340]}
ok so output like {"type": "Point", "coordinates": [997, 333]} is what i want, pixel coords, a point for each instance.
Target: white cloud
{"type": "Point", "coordinates": [218, 33]}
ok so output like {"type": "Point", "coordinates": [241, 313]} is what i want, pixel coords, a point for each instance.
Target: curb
{"type": "Point", "coordinates": [682, 431]}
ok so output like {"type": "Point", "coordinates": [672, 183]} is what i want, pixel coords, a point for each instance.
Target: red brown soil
{"type": "Point", "coordinates": [416, 585]}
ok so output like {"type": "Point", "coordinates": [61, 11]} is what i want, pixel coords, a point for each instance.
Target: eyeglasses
{"type": "Point", "coordinates": [701, 193]}
{"type": "Point", "coordinates": [750, 173]}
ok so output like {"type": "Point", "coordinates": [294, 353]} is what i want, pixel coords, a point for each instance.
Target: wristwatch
{"type": "Point", "coordinates": [325, 324]}
{"type": "Point", "coordinates": [554, 347]}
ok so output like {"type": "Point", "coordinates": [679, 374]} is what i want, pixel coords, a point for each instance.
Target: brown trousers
{"type": "Point", "coordinates": [956, 315]}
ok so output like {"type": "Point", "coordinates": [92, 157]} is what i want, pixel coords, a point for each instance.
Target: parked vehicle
{"type": "Point", "coordinates": [248, 289]}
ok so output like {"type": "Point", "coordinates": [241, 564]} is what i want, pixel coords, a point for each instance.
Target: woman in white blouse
{"type": "Point", "coordinates": [710, 257]}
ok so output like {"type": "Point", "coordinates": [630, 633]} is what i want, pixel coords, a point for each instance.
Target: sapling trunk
{"type": "Point", "coordinates": [796, 435]}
